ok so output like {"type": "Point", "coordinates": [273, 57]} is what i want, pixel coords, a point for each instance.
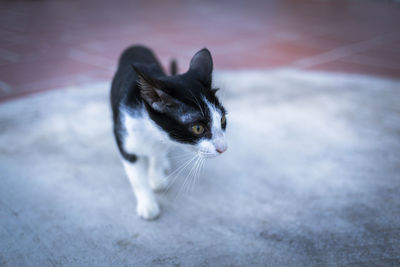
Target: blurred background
{"type": "Point", "coordinates": [312, 173]}
{"type": "Point", "coordinates": [51, 44]}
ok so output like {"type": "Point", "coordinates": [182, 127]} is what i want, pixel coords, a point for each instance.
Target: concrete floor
{"type": "Point", "coordinates": [311, 177]}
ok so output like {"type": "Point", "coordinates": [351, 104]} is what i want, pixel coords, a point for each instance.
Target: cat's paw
{"type": "Point", "coordinates": [148, 210]}
{"type": "Point", "coordinates": [158, 183]}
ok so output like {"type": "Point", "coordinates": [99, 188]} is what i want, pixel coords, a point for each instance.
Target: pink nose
{"type": "Point", "coordinates": [221, 149]}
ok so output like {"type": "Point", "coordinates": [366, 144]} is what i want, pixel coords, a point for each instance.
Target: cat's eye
{"type": "Point", "coordinates": [223, 121]}
{"type": "Point", "coordinates": [198, 129]}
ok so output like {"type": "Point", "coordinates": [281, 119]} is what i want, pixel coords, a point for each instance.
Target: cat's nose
{"type": "Point", "coordinates": [220, 145]}
{"type": "Point", "coordinates": [221, 149]}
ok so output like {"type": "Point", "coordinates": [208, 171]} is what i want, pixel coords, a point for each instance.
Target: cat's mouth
{"type": "Point", "coordinates": [205, 154]}
{"type": "Point", "coordinates": [207, 150]}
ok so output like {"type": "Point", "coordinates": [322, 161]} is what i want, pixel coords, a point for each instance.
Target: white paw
{"type": "Point", "coordinates": [148, 210]}
{"type": "Point", "coordinates": [158, 183]}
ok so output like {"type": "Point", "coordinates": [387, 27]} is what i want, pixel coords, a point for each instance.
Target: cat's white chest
{"type": "Point", "coordinates": [142, 135]}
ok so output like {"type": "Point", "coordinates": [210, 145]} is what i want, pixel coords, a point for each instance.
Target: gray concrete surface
{"type": "Point", "coordinates": [311, 178]}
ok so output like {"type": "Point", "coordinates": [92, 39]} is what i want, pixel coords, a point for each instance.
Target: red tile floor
{"type": "Point", "coordinates": [52, 44]}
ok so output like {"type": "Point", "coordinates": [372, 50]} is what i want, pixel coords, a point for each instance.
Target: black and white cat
{"type": "Point", "coordinates": [153, 111]}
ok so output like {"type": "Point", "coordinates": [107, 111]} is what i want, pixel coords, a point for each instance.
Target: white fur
{"type": "Point", "coordinates": [144, 138]}
{"type": "Point", "coordinates": [206, 147]}
{"type": "Point", "coordinates": [187, 117]}
{"type": "Point", "coordinates": [147, 206]}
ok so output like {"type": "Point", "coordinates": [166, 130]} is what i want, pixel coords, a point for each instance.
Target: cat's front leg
{"type": "Point", "coordinates": [158, 167]}
{"type": "Point", "coordinates": [147, 206]}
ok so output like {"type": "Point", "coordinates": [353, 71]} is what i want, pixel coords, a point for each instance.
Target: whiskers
{"type": "Point", "coordinates": [193, 175]}
{"type": "Point", "coordinates": [188, 171]}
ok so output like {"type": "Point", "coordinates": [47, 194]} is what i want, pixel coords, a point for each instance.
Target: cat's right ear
{"type": "Point", "coordinates": [201, 65]}
{"type": "Point", "coordinates": [150, 91]}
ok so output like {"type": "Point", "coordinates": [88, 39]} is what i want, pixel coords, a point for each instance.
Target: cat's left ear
{"type": "Point", "coordinates": [151, 92]}
{"type": "Point", "coordinates": [201, 65]}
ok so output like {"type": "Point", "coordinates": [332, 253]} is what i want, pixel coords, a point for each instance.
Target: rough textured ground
{"type": "Point", "coordinates": [311, 177]}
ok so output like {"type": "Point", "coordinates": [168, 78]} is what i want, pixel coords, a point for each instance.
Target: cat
{"type": "Point", "coordinates": [153, 111]}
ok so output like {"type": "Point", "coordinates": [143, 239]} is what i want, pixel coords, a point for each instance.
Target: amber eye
{"type": "Point", "coordinates": [223, 121]}
{"type": "Point", "coordinates": [197, 129]}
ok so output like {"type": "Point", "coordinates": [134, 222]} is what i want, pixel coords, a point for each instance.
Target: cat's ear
{"type": "Point", "coordinates": [201, 65]}
{"type": "Point", "coordinates": [151, 92]}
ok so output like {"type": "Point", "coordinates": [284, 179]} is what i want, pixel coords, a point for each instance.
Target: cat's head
{"type": "Point", "coordinates": [186, 106]}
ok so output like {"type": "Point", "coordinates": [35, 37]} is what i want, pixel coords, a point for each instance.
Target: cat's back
{"type": "Point", "coordinates": [137, 54]}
